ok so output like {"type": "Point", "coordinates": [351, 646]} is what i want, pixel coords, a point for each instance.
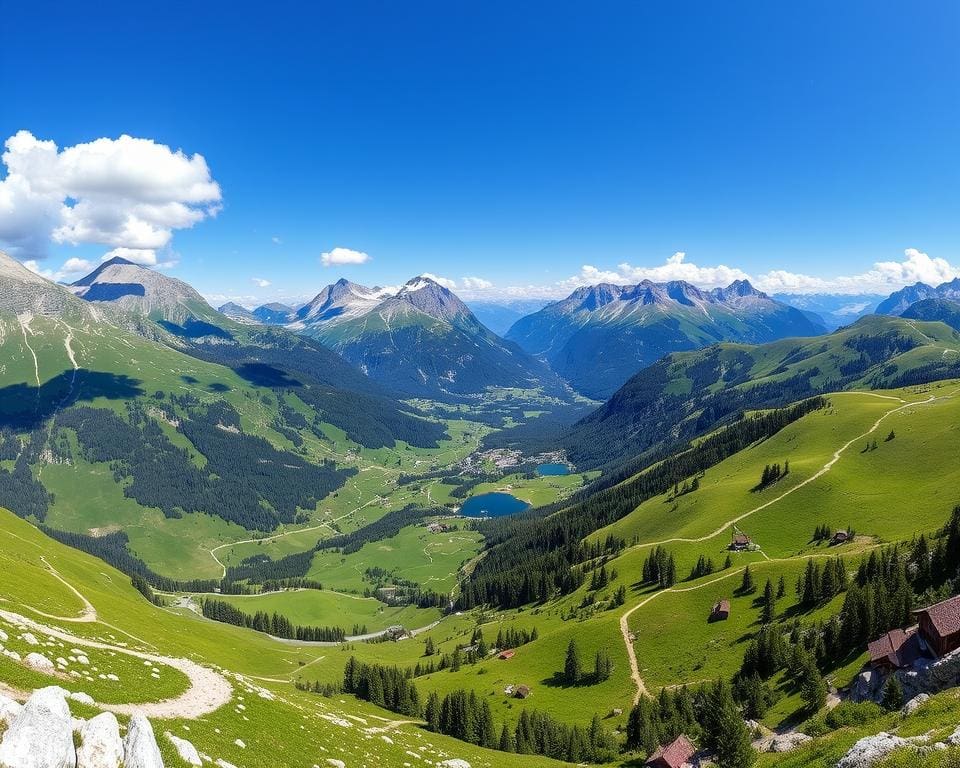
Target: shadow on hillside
{"type": "Point", "coordinates": [195, 329]}
{"type": "Point", "coordinates": [25, 407]}
{"type": "Point", "coordinates": [263, 375]}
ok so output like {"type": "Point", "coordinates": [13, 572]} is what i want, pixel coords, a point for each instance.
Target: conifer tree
{"type": "Point", "coordinates": [571, 665]}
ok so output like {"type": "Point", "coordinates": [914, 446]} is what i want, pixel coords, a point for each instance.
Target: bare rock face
{"type": "Point", "coordinates": [788, 742]}
{"type": "Point", "coordinates": [867, 686]}
{"type": "Point", "coordinates": [39, 662]}
{"type": "Point", "coordinates": [915, 703]}
{"type": "Point", "coordinates": [9, 709]}
{"type": "Point", "coordinates": [871, 749]}
{"type": "Point", "coordinates": [101, 745]}
{"type": "Point", "coordinates": [930, 675]}
{"type": "Point", "coordinates": [188, 753]}
{"type": "Point", "coordinates": [42, 734]}
{"type": "Point", "coordinates": [140, 746]}
{"type": "Point", "coordinates": [454, 763]}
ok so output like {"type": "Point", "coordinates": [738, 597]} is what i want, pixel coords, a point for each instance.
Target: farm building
{"type": "Point", "coordinates": [896, 649]}
{"type": "Point", "coordinates": [506, 655]}
{"type": "Point", "coordinates": [676, 754]}
{"type": "Point", "coordinates": [740, 542]}
{"type": "Point", "coordinates": [840, 537]}
{"type": "Point", "coordinates": [521, 692]}
{"type": "Point", "coordinates": [720, 611]}
{"type": "Point", "coordinates": [939, 625]}
{"type": "Point", "coordinates": [937, 633]}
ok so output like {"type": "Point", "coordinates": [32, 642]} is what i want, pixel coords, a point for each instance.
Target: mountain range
{"type": "Point", "coordinates": [899, 301]}
{"type": "Point", "coordinates": [600, 335]}
{"type": "Point", "coordinates": [421, 339]}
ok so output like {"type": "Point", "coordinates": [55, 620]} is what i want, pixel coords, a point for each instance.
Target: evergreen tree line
{"type": "Point", "coordinates": [659, 568]}
{"type": "Point", "coordinates": [709, 715]}
{"type": "Point", "coordinates": [275, 624]}
{"type": "Point", "coordinates": [467, 717]}
{"type": "Point", "coordinates": [384, 528]}
{"type": "Point", "coordinates": [245, 479]}
{"type": "Point", "coordinates": [771, 474]}
{"type": "Point", "coordinates": [388, 687]}
{"type": "Point", "coordinates": [530, 557]}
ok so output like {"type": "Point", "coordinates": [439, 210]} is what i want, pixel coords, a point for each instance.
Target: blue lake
{"type": "Point", "coordinates": [552, 470]}
{"type": "Point", "coordinates": [492, 505]}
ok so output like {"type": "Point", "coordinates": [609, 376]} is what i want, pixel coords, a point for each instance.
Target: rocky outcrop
{"type": "Point", "coordinates": [9, 709]}
{"type": "Point", "coordinates": [39, 662]}
{"type": "Point", "coordinates": [930, 675]}
{"type": "Point", "coordinates": [454, 763]}
{"type": "Point", "coordinates": [867, 686]}
{"type": "Point", "coordinates": [100, 743]}
{"type": "Point", "coordinates": [41, 736]}
{"type": "Point", "coordinates": [188, 753]}
{"type": "Point", "coordinates": [871, 749]}
{"type": "Point", "coordinates": [787, 742]}
{"type": "Point", "coordinates": [140, 748]}
{"type": "Point", "coordinates": [911, 706]}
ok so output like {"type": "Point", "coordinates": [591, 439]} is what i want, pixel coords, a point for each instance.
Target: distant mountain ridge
{"type": "Point", "coordinates": [420, 339]}
{"type": "Point", "coordinates": [600, 335]}
{"type": "Point", "coordinates": [899, 301]}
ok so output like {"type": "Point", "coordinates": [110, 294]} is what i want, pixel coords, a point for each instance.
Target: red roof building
{"type": "Point", "coordinates": [940, 625]}
{"type": "Point", "coordinates": [673, 755]}
{"type": "Point", "coordinates": [506, 655]}
{"type": "Point", "coordinates": [897, 649]}
{"type": "Point", "coordinates": [721, 611]}
{"type": "Point", "coordinates": [740, 541]}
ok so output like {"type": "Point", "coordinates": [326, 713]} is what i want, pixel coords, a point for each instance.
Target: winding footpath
{"type": "Point", "coordinates": [625, 617]}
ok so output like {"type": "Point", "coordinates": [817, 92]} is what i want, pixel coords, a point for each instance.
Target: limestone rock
{"type": "Point", "coordinates": [866, 686]}
{"type": "Point", "coordinates": [188, 753]}
{"type": "Point", "coordinates": [81, 698]}
{"type": "Point", "coordinates": [140, 748]}
{"type": "Point", "coordinates": [9, 709]}
{"type": "Point", "coordinates": [39, 662]}
{"type": "Point", "coordinates": [42, 734]}
{"type": "Point", "coordinates": [101, 745]}
{"type": "Point", "coordinates": [456, 762]}
{"type": "Point", "coordinates": [871, 749]}
{"type": "Point", "coordinates": [911, 706]}
{"type": "Point", "coordinates": [788, 742]}
{"type": "Point", "coordinates": [332, 761]}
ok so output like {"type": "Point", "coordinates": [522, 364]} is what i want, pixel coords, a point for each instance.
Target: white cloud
{"type": "Point", "coordinates": [476, 284]}
{"type": "Point", "coordinates": [276, 240]}
{"type": "Point", "coordinates": [446, 282]}
{"type": "Point", "coordinates": [75, 266]}
{"type": "Point", "coordinates": [339, 256]}
{"type": "Point", "coordinates": [125, 193]}
{"type": "Point", "coordinates": [146, 257]}
{"type": "Point", "coordinates": [260, 282]}
{"type": "Point", "coordinates": [884, 277]}
{"type": "Point", "coordinates": [676, 267]}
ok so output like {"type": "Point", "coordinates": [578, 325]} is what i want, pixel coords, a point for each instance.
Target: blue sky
{"type": "Point", "coordinates": [530, 146]}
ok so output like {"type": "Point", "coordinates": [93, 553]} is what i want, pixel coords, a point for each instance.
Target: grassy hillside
{"type": "Point", "coordinates": [76, 600]}
{"type": "Point", "coordinates": [688, 393]}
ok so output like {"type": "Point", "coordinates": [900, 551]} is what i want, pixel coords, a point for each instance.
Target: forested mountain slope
{"type": "Point", "coordinates": [687, 393]}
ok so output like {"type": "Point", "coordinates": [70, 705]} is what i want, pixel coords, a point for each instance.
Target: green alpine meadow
{"type": "Point", "coordinates": [458, 385]}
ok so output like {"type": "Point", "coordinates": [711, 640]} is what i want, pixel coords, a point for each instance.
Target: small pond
{"type": "Point", "coordinates": [552, 470]}
{"type": "Point", "coordinates": [492, 505]}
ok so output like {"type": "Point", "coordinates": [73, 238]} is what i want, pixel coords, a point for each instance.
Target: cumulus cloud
{"type": "Point", "coordinates": [260, 282]}
{"type": "Point", "coordinates": [126, 193]}
{"type": "Point", "coordinates": [476, 284]}
{"type": "Point", "coordinates": [340, 256]}
{"type": "Point", "coordinates": [884, 277]}
{"type": "Point", "coordinates": [676, 267]}
{"type": "Point", "coordinates": [446, 282]}
{"type": "Point", "coordinates": [71, 270]}
{"type": "Point", "coordinates": [145, 257]}
{"type": "Point", "coordinates": [276, 240]}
